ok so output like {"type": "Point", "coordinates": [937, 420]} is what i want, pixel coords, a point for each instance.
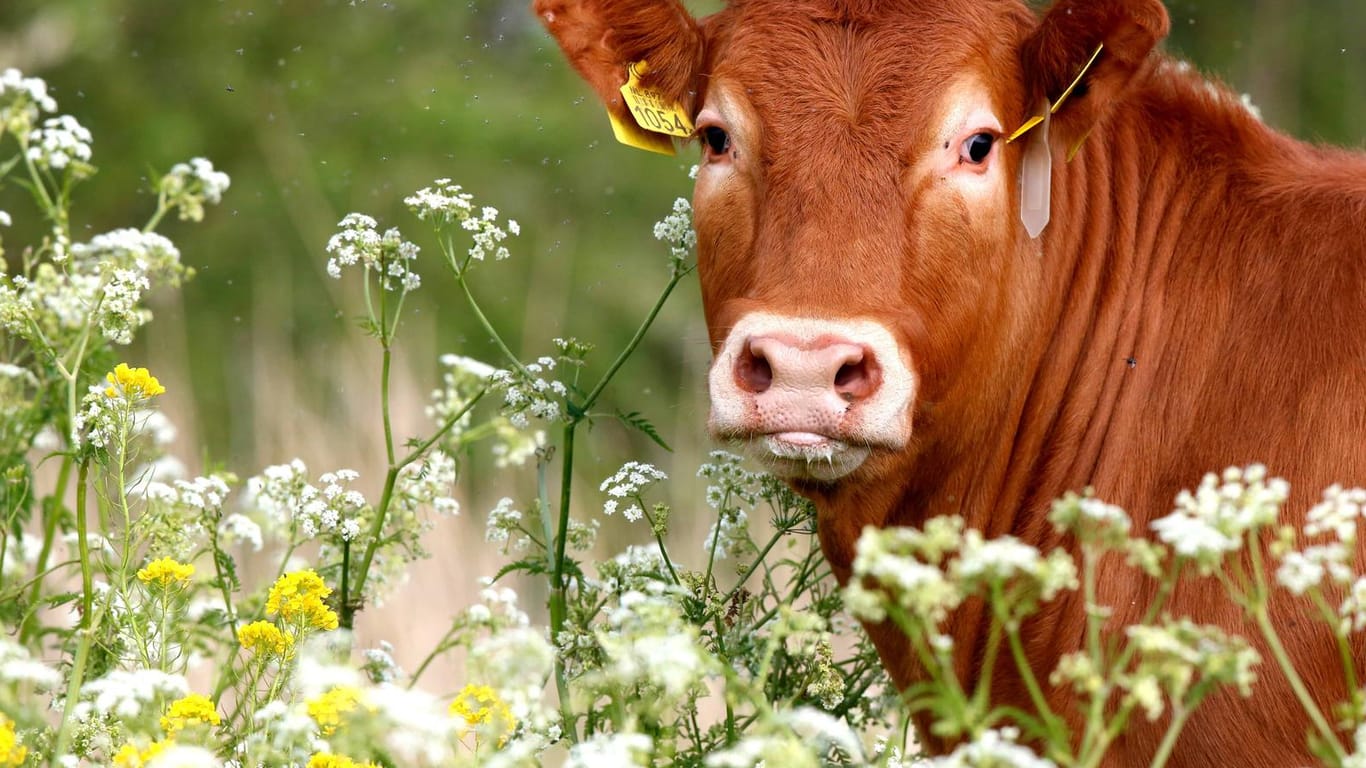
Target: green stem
{"type": "Point", "coordinates": [346, 574]}
{"type": "Point", "coordinates": [1057, 732]}
{"type": "Point", "coordinates": [1262, 616]}
{"type": "Point", "coordinates": [83, 546]}
{"type": "Point", "coordinates": [347, 618]}
{"type": "Point", "coordinates": [559, 608]}
{"type": "Point", "coordinates": [73, 689]}
{"type": "Point", "coordinates": [634, 342]}
{"type": "Point", "coordinates": [1164, 750]}
{"type": "Point", "coordinates": [52, 515]}
{"type": "Point", "coordinates": [487, 326]}
{"type": "Point", "coordinates": [1273, 640]}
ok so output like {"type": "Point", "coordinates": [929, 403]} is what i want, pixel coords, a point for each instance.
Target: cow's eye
{"type": "Point", "coordinates": [716, 139]}
{"type": "Point", "coordinates": [977, 147]}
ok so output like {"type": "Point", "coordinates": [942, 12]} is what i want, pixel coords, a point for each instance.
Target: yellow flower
{"type": "Point", "coordinates": [327, 709]}
{"type": "Point", "coordinates": [11, 751]}
{"type": "Point", "coordinates": [132, 383]}
{"type": "Point", "coordinates": [329, 760]}
{"type": "Point", "coordinates": [129, 756]}
{"type": "Point", "coordinates": [298, 599]}
{"type": "Point", "coordinates": [191, 709]}
{"type": "Point", "coordinates": [164, 572]}
{"type": "Point", "coordinates": [477, 704]}
{"type": "Point", "coordinates": [263, 637]}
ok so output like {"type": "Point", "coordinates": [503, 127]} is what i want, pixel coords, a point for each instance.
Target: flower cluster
{"type": "Point", "coordinates": [297, 598]}
{"type": "Point", "coordinates": [22, 102]}
{"type": "Point", "coordinates": [62, 142]}
{"type": "Point", "coordinates": [166, 573]}
{"type": "Point", "coordinates": [525, 392]}
{"type": "Point", "coordinates": [284, 494]}
{"type": "Point", "coordinates": [676, 230]}
{"type": "Point", "coordinates": [264, 638]}
{"type": "Point", "coordinates": [188, 186]}
{"type": "Point", "coordinates": [359, 241]}
{"type": "Point", "coordinates": [445, 204]}
{"type": "Point", "coordinates": [629, 483]}
{"type": "Point", "coordinates": [185, 712]}
{"type": "Point", "coordinates": [1214, 519]}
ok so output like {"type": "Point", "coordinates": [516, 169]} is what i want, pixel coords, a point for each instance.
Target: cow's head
{"type": "Point", "coordinates": [863, 266]}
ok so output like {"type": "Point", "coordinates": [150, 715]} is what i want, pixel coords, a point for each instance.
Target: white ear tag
{"type": "Point", "coordinates": [1036, 178]}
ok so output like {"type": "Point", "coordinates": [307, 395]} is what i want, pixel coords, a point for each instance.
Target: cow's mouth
{"type": "Point", "coordinates": [807, 455]}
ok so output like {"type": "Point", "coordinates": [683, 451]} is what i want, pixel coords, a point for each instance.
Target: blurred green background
{"type": "Point", "coordinates": [321, 107]}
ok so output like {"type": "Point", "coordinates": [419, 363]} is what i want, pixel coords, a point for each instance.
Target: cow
{"type": "Point", "coordinates": [896, 334]}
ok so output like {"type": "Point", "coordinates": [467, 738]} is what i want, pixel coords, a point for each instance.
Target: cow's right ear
{"type": "Point", "coordinates": [602, 38]}
{"type": "Point", "coordinates": [1067, 36]}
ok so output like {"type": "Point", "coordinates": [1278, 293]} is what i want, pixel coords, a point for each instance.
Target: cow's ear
{"type": "Point", "coordinates": [602, 38]}
{"type": "Point", "coordinates": [1064, 42]}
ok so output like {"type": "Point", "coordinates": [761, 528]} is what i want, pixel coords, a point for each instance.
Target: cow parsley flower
{"type": "Point", "coordinates": [447, 205]}
{"type": "Point", "coordinates": [189, 185]}
{"type": "Point", "coordinates": [22, 101]}
{"type": "Point", "coordinates": [388, 255]}
{"type": "Point", "coordinates": [428, 482]}
{"type": "Point", "coordinates": [676, 230]}
{"type": "Point", "coordinates": [379, 664]}
{"type": "Point", "coordinates": [1212, 521]}
{"type": "Point", "coordinates": [994, 748]}
{"type": "Point", "coordinates": [237, 528]}
{"type": "Point", "coordinates": [124, 694]}
{"type": "Point", "coordinates": [61, 142]}
{"type": "Point", "coordinates": [628, 484]}
{"type": "Point", "coordinates": [1337, 514]}
{"type": "Point", "coordinates": [505, 524]}
{"type": "Point", "coordinates": [1301, 571]}
{"type": "Point", "coordinates": [611, 750]}
{"type": "Point", "coordinates": [729, 536]}
{"type": "Point", "coordinates": [527, 393]}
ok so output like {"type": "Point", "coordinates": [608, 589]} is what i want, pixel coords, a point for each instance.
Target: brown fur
{"type": "Point", "coordinates": [1227, 261]}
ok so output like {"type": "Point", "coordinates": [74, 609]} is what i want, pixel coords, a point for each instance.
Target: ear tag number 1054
{"type": "Point", "coordinates": [654, 112]}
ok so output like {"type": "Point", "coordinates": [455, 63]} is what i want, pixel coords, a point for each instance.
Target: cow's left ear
{"type": "Point", "coordinates": [1065, 41]}
{"type": "Point", "coordinates": [602, 38]}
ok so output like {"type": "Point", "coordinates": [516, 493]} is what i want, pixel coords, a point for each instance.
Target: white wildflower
{"type": "Point", "coordinates": [1337, 514]}
{"type": "Point", "coordinates": [629, 483]}
{"type": "Point", "coordinates": [1212, 521]}
{"type": "Point", "coordinates": [446, 204]}
{"type": "Point", "coordinates": [238, 528]}
{"type": "Point", "coordinates": [611, 750]}
{"type": "Point", "coordinates": [993, 748]}
{"type": "Point", "coordinates": [729, 535]}
{"type": "Point", "coordinates": [189, 185]}
{"type": "Point", "coordinates": [388, 255]}
{"type": "Point", "coordinates": [61, 142]}
{"type": "Point", "coordinates": [676, 230]}
{"type": "Point", "coordinates": [22, 101]}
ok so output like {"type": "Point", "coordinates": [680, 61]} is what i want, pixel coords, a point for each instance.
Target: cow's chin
{"type": "Point", "coordinates": [807, 456]}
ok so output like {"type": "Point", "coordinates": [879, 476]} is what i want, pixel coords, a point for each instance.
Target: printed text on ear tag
{"type": "Point", "coordinates": [652, 108]}
{"type": "Point", "coordinates": [1036, 178]}
{"type": "Point", "coordinates": [632, 135]}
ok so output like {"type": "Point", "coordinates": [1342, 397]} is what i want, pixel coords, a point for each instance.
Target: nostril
{"type": "Point", "coordinates": [752, 370]}
{"type": "Point", "coordinates": [857, 378]}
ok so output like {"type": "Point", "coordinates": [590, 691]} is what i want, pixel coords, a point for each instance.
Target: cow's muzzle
{"type": "Point", "coordinates": [811, 398]}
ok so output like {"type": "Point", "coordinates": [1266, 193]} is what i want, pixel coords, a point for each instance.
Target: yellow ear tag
{"type": "Point", "coordinates": [1036, 178]}
{"type": "Point", "coordinates": [657, 116]}
{"type": "Point", "coordinates": [631, 135]}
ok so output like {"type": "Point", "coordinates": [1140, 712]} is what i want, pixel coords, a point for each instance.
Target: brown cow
{"type": "Point", "coordinates": [889, 337]}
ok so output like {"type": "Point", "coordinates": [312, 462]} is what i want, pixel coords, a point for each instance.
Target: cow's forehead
{"type": "Point", "coordinates": [875, 76]}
